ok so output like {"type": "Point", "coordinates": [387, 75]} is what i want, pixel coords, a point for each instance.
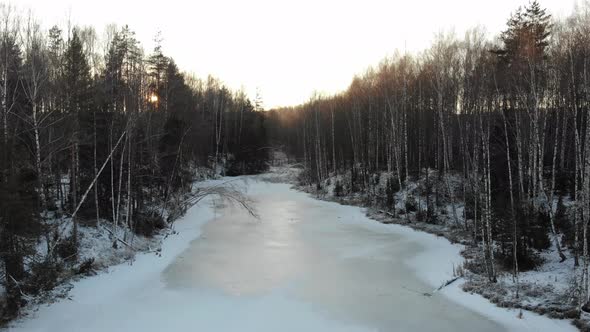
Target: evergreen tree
{"type": "Point", "coordinates": [76, 77]}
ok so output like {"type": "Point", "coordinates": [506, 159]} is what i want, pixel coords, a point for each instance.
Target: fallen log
{"type": "Point", "coordinates": [448, 282]}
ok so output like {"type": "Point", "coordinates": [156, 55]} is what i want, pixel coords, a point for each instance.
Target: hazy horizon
{"type": "Point", "coordinates": [290, 50]}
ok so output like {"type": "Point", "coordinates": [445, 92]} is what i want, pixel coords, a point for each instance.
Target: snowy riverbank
{"type": "Point", "coordinates": [112, 291]}
{"type": "Point", "coordinates": [435, 265]}
{"type": "Point", "coordinates": [133, 297]}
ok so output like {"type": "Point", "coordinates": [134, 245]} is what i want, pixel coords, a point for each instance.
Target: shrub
{"type": "Point", "coordinates": [338, 189]}
{"type": "Point", "coordinates": [44, 276]}
{"type": "Point", "coordinates": [411, 204]}
{"type": "Point", "coordinates": [426, 216]}
{"type": "Point", "coordinates": [527, 259]}
{"type": "Point", "coordinates": [86, 267]}
{"type": "Point", "coordinates": [148, 222]}
{"type": "Point", "coordinates": [304, 177]}
{"type": "Point", "coordinates": [67, 249]}
{"type": "Point", "coordinates": [431, 216]}
{"type": "Point", "coordinates": [391, 188]}
{"type": "Point", "coordinates": [539, 232]}
{"type": "Point", "coordinates": [421, 216]}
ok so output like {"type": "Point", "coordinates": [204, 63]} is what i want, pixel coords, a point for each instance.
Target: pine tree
{"type": "Point", "coordinates": [158, 64]}
{"type": "Point", "coordinates": [76, 78]}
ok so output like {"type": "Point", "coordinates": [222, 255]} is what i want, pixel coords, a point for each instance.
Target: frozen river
{"type": "Point", "coordinates": [303, 265]}
{"type": "Point", "coordinates": [312, 265]}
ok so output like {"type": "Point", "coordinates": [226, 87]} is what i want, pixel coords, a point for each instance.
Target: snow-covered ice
{"type": "Point", "coordinates": [304, 265]}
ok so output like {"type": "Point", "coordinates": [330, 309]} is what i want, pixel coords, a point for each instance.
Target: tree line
{"type": "Point", "coordinates": [98, 132]}
{"type": "Point", "coordinates": [509, 117]}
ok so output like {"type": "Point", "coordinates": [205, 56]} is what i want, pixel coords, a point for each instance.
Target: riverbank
{"type": "Point", "coordinates": [112, 284]}
{"type": "Point", "coordinates": [139, 296]}
{"type": "Point", "coordinates": [543, 291]}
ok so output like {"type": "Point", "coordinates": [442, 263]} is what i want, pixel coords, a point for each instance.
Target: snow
{"type": "Point", "coordinates": [547, 289]}
{"type": "Point", "coordinates": [436, 264]}
{"type": "Point", "coordinates": [136, 297]}
{"type": "Point", "coordinates": [112, 289]}
{"type": "Point", "coordinates": [552, 272]}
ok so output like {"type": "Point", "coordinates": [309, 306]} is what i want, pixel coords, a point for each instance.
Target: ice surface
{"type": "Point", "coordinates": [305, 265]}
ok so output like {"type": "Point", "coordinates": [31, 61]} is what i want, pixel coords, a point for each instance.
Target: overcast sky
{"type": "Point", "coordinates": [288, 49]}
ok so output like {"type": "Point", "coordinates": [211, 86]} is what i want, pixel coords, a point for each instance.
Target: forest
{"type": "Point", "coordinates": [484, 137]}
{"type": "Point", "coordinates": [99, 132]}
{"type": "Point", "coordinates": [494, 131]}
